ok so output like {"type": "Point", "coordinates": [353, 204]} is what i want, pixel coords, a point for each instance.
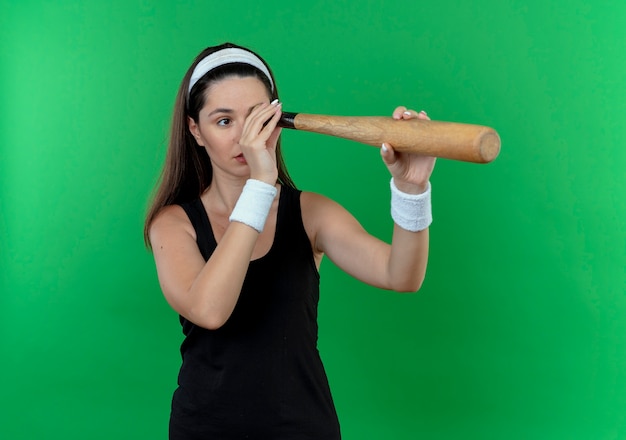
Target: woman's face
{"type": "Point", "coordinates": [227, 105]}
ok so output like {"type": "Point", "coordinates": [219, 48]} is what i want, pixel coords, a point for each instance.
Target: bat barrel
{"type": "Point", "coordinates": [450, 140]}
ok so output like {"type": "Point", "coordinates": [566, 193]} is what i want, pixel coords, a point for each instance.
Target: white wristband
{"type": "Point", "coordinates": [254, 203]}
{"type": "Point", "coordinates": [412, 212]}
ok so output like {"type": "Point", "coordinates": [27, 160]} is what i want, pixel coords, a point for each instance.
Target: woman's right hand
{"type": "Point", "coordinates": [258, 141]}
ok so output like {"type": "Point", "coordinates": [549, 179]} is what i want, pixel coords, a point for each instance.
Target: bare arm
{"type": "Point", "coordinates": [205, 293]}
{"type": "Point", "coordinates": [399, 266]}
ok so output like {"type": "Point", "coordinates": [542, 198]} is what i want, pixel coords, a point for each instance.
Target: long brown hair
{"type": "Point", "coordinates": [187, 171]}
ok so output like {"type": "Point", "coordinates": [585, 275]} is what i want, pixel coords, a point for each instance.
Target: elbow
{"type": "Point", "coordinates": [203, 312]}
{"type": "Point", "coordinates": [405, 278]}
{"type": "Point", "coordinates": [210, 320]}
{"type": "Point", "coordinates": [409, 285]}
{"type": "Point", "coordinates": [412, 288]}
{"type": "Point", "coordinates": [213, 324]}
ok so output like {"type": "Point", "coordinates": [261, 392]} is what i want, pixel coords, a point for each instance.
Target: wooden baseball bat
{"type": "Point", "coordinates": [450, 140]}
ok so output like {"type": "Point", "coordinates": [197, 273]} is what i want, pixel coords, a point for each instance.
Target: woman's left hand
{"type": "Point", "coordinates": [411, 172]}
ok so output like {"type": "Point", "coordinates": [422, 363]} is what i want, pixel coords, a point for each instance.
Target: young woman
{"type": "Point", "coordinates": [237, 249]}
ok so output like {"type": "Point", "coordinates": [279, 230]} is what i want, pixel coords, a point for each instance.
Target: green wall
{"type": "Point", "coordinates": [520, 329]}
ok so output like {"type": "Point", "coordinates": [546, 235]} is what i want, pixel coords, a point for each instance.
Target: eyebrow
{"type": "Point", "coordinates": [220, 110]}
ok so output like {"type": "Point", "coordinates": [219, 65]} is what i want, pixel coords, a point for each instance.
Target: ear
{"type": "Point", "coordinates": [195, 131]}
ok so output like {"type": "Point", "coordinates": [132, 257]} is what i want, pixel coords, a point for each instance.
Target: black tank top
{"type": "Point", "coordinates": [260, 375]}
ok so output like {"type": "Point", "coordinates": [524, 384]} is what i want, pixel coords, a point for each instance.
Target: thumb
{"type": "Point", "coordinates": [388, 154]}
{"type": "Point", "coordinates": [273, 139]}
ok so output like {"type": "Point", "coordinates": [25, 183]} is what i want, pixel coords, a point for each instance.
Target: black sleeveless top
{"type": "Point", "coordinates": [260, 375]}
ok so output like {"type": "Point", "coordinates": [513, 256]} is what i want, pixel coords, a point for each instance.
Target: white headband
{"type": "Point", "coordinates": [226, 56]}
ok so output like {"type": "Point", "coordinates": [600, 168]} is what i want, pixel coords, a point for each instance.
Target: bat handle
{"type": "Point", "coordinates": [287, 120]}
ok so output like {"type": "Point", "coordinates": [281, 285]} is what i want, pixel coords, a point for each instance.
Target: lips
{"type": "Point", "coordinates": [240, 158]}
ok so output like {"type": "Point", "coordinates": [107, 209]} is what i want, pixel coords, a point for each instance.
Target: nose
{"type": "Point", "coordinates": [237, 131]}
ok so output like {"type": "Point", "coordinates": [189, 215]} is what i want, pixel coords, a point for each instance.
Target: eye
{"type": "Point", "coordinates": [223, 122]}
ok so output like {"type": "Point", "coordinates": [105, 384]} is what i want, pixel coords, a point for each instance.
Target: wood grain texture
{"type": "Point", "coordinates": [450, 140]}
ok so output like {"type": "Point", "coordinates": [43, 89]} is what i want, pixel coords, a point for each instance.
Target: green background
{"type": "Point", "coordinates": [520, 329]}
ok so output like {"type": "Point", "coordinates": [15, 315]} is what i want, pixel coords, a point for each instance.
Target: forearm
{"type": "Point", "coordinates": [411, 211]}
{"type": "Point", "coordinates": [408, 258]}
{"type": "Point", "coordinates": [215, 292]}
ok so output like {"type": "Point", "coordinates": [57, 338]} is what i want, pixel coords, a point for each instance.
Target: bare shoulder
{"type": "Point", "coordinates": [326, 220]}
{"type": "Point", "coordinates": [316, 207]}
{"type": "Point", "coordinates": [313, 201]}
{"type": "Point", "coordinates": [171, 221]}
